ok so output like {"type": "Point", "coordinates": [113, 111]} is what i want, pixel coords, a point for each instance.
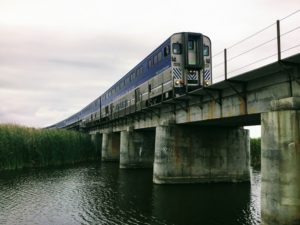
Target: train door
{"type": "Point", "coordinates": [177, 64]}
{"type": "Point", "coordinates": [106, 111]}
{"type": "Point", "coordinates": [193, 44]}
{"type": "Point", "coordinates": [111, 109]}
{"type": "Point", "coordinates": [207, 71]}
{"type": "Point", "coordinates": [191, 52]}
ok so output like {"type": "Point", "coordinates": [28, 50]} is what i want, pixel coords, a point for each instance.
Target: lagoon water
{"type": "Point", "coordinates": [104, 194]}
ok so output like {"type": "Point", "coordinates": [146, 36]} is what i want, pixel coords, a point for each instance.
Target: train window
{"type": "Point", "coordinates": [139, 71]}
{"type": "Point", "coordinates": [191, 45]}
{"type": "Point", "coordinates": [155, 59]}
{"type": "Point", "coordinates": [159, 56]}
{"type": "Point", "coordinates": [166, 51]}
{"type": "Point", "coordinates": [132, 76]}
{"type": "Point", "coordinates": [150, 63]}
{"type": "Point", "coordinates": [177, 48]}
{"type": "Point", "coordinates": [206, 50]}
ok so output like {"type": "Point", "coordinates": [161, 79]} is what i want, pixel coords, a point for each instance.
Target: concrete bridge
{"type": "Point", "coordinates": [199, 136]}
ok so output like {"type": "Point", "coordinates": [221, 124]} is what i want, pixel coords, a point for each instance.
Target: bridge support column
{"type": "Point", "coordinates": [110, 146]}
{"type": "Point", "coordinates": [280, 188]}
{"type": "Point", "coordinates": [190, 154]}
{"type": "Point", "coordinates": [137, 149]}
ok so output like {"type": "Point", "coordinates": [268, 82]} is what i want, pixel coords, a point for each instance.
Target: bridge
{"type": "Point", "coordinates": [199, 136]}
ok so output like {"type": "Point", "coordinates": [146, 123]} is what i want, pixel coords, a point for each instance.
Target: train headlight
{"type": "Point", "coordinates": [178, 82]}
{"type": "Point", "coordinates": [192, 72]}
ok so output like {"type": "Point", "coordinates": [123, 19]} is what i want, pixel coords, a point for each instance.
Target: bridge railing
{"type": "Point", "coordinates": [270, 44]}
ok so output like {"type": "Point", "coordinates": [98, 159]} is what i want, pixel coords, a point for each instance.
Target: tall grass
{"type": "Point", "coordinates": [22, 147]}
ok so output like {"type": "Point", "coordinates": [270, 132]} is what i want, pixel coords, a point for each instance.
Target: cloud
{"type": "Point", "coordinates": [42, 74]}
{"type": "Point", "coordinates": [57, 56]}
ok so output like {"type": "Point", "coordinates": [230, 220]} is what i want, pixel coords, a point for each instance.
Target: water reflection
{"type": "Point", "coordinates": [104, 194]}
{"type": "Point", "coordinates": [201, 204]}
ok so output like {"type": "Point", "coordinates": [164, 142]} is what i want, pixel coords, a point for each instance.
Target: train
{"type": "Point", "coordinates": [180, 64]}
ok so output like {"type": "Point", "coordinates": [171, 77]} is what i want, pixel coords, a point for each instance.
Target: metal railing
{"type": "Point", "coordinates": [273, 43]}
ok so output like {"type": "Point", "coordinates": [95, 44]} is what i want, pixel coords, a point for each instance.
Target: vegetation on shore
{"type": "Point", "coordinates": [22, 147]}
{"type": "Point", "coordinates": [255, 153]}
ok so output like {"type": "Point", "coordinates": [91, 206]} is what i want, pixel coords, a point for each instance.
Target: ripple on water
{"type": "Point", "coordinates": [102, 194]}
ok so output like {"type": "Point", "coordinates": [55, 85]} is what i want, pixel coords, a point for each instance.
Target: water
{"type": "Point", "coordinates": [104, 194]}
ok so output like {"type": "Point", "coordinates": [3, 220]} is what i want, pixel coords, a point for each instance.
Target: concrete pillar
{"type": "Point", "coordinates": [137, 149]}
{"type": "Point", "coordinates": [97, 142]}
{"type": "Point", "coordinates": [110, 146]}
{"type": "Point", "coordinates": [280, 166]}
{"type": "Point", "coordinates": [190, 154]}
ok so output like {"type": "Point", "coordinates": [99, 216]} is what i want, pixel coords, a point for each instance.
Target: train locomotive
{"type": "Point", "coordinates": [180, 64]}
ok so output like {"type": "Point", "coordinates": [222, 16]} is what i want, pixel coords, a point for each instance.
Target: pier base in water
{"type": "Point", "coordinates": [137, 149]}
{"type": "Point", "coordinates": [280, 166]}
{"type": "Point", "coordinates": [110, 147]}
{"type": "Point", "coordinates": [192, 154]}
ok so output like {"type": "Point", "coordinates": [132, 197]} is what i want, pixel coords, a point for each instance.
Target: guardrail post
{"type": "Point", "coordinates": [100, 106]}
{"type": "Point", "coordinates": [278, 40]}
{"type": "Point", "coordinates": [225, 63]}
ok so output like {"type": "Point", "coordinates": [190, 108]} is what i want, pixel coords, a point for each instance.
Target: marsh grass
{"type": "Point", "coordinates": [23, 147]}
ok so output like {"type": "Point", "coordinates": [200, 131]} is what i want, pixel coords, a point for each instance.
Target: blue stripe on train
{"type": "Point", "coordinates": [177, 73]}
{"type": "Point", "coordinates": [207, 75]}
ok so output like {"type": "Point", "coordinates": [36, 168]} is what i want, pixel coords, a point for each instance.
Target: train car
{"type": "Point", "coordinates": [180, 64]}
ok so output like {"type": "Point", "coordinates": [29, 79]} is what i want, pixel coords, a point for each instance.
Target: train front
{"type": "Point", "coordinates": [191, 61]}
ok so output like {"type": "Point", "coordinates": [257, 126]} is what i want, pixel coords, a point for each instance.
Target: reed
{"type": "Point", "coordinates": [23, 147]}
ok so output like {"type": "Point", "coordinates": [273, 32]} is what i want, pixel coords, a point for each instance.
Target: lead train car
{"type": "Point", "coordinates": [180, 64]}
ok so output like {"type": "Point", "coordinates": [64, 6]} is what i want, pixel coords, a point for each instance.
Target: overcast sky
{"type": "Point", "coordinates": [56, 56]}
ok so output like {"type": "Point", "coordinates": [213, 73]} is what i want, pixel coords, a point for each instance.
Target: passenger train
{"type": "Point", "coordinates": [180, 64]}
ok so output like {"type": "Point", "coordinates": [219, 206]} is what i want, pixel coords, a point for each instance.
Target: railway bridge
{"type": "Point", "coordinates": [199, 137]}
